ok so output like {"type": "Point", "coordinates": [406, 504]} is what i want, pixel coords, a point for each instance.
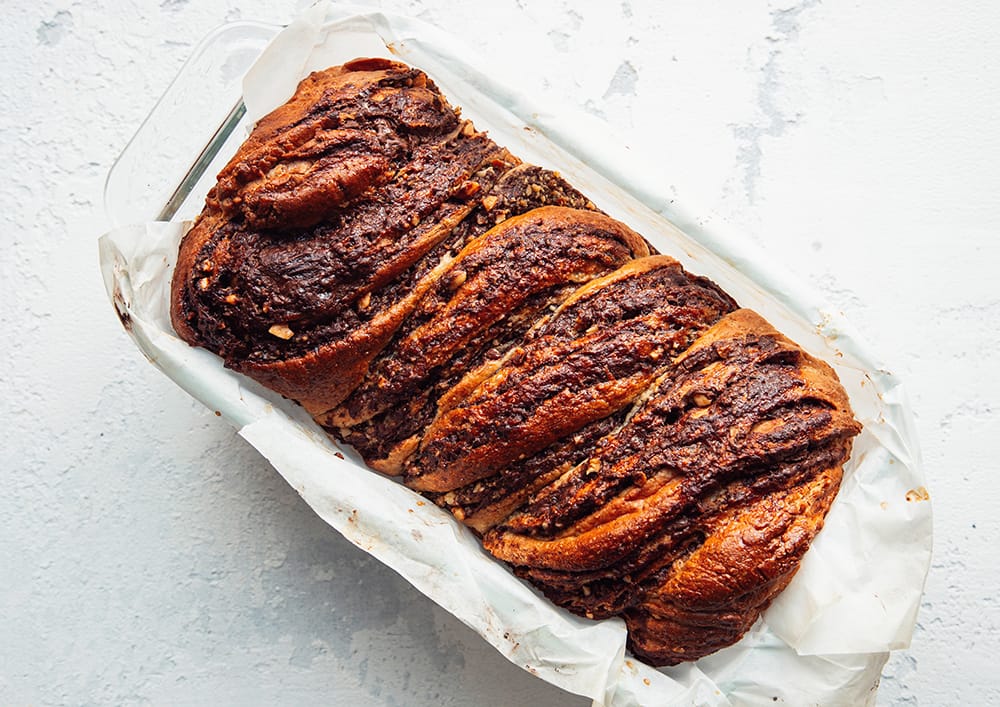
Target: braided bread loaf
{"type": "Point", "coordinates": [616, 429]}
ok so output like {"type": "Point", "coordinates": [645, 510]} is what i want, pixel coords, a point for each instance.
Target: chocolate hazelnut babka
{"type": "Point", "coordinates": [614, 428]}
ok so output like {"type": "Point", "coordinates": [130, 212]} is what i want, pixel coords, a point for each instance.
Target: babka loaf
{"type": "Point", "coordinates": [614, 428]}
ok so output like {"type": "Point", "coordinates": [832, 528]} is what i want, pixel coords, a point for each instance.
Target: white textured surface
{"type": "Point", "coordinates": [148, 555]}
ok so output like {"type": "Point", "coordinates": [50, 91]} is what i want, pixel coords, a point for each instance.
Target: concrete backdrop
{"type": "Point", "coordinates": [148, 555]}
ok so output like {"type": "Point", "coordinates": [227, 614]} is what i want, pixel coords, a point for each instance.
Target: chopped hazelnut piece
{"type": "Point", "coordinates": [489, 202]}
{"type": "Point", "coordinates": [701, 400]}
{"type": "Point", "coordinates": [231, 299]}
{"type": "Point", "coordinates": [458, 279]}
{"type": "Point", "coordinates": [469, 189]}
{"type": "Point", "coordinates": [366, 299]}
{"type": "Point", "coordinates": [468, 130]}
{"type": "Point", "coordinates": [203, 283]}
{"type": "Point", "coordinates": [281, 331]}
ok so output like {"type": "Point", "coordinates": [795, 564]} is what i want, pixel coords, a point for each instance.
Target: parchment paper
{"type": "Point", "coordinates": [826, 637]}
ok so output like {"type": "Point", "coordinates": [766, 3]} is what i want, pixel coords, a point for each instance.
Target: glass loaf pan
{"type": "Point", "coordinates": [858, 590]}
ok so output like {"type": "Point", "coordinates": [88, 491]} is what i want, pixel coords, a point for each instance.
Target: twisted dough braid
{"type": "Point", "coordinates": [615, 428]}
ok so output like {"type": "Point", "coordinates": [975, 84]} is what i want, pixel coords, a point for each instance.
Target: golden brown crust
{"type": "Point", "coordinates": [486, 299]}
{"type": "Point", "coordinates": [614, 427]}
{"type": "Point", "coordinates": [709, 599]}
